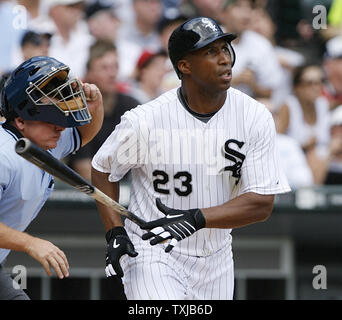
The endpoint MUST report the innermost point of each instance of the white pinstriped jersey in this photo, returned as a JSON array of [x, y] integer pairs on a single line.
[[192, 164]]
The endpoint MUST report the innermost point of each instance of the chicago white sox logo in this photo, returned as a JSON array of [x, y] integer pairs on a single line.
[[209, 24], [235, 156]]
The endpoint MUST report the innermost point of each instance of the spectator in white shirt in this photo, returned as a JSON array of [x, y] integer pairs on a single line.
[[289, 59], [257, 72], [37, 16], [305, 116], [138, 35], [332, 65], [71, 42], [333, 169], [103, 21], [291, 156]]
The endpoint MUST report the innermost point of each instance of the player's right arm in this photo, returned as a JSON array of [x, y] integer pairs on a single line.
[[109, 217], [112, 161], [118, 242], [41, 250]]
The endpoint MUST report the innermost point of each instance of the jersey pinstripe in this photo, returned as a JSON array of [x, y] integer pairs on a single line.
[[154, 274], [192, 164]]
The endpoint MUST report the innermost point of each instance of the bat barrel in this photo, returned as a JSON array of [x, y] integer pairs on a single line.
[[46, 161]]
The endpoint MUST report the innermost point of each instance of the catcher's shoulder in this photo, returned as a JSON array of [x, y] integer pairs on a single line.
[[8, 156]]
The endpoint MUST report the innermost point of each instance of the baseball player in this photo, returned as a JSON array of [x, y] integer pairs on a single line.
[[203, 162], [59, 114]]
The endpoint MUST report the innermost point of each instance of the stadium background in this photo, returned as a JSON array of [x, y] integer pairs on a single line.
[[273, 260]]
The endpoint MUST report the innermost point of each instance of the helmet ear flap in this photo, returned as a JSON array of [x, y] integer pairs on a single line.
[[232, 53]]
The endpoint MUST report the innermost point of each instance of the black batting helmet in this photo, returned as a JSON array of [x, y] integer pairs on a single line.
[[195, 34]]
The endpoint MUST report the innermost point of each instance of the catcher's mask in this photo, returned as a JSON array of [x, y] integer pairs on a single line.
[[40, 89]]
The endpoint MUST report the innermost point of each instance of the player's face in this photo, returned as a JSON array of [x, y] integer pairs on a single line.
[[210, 66], [45, 135]]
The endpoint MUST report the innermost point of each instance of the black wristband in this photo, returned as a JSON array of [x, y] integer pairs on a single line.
[[200, 220], [115, 232]]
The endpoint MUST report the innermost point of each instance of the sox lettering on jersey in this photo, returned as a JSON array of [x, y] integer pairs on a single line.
[[235, 156]]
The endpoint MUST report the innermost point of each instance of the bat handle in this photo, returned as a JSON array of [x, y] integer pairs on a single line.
[[140, 222], [103, 198]]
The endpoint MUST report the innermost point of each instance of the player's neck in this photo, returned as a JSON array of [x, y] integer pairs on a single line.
[[202, 101]]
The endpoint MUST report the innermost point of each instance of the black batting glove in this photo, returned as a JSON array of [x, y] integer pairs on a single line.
[[176, 225], [118, 244]]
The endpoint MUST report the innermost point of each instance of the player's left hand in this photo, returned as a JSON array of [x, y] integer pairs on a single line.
[[176, 225], [118, 244]]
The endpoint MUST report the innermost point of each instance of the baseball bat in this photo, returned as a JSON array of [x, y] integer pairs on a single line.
[[44, 160]]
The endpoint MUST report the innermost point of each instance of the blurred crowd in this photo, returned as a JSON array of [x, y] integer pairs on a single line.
[[289, 57]]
